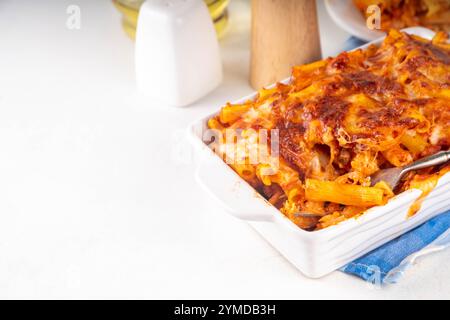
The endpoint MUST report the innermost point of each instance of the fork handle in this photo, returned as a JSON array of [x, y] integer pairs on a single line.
[[433, 160]]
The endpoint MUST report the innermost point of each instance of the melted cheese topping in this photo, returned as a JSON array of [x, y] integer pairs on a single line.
[[344, 118]]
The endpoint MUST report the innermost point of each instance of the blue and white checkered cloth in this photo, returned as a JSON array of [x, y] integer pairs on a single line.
[[387, 263]]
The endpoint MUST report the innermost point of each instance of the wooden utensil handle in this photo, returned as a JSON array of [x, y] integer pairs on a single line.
[[284, 33]]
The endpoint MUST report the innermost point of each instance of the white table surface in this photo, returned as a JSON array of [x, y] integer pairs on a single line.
[[97, 190]]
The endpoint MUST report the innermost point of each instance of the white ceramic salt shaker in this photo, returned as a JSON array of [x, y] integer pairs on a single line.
[[177, 52]]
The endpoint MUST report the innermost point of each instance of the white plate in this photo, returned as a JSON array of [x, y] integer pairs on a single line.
[[348, 17], [320, 252]]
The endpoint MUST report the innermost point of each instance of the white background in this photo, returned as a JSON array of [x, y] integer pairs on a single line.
[[95, 198]]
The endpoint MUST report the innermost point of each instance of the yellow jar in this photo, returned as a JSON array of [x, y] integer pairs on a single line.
[[130, 12]]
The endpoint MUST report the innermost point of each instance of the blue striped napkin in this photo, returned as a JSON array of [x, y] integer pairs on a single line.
[[387, 263]]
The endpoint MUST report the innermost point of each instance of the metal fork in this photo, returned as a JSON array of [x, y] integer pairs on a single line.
[[393, 176]]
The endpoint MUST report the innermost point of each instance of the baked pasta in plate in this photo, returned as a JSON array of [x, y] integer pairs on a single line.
[[433, 14], [337, 122]]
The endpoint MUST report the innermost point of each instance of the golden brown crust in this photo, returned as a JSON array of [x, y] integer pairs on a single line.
[[342, 119]]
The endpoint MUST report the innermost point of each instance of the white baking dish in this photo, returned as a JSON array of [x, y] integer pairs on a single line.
[[320, 252]]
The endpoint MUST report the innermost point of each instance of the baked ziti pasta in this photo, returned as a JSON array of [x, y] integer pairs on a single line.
[[336, 123], [433, 14]]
